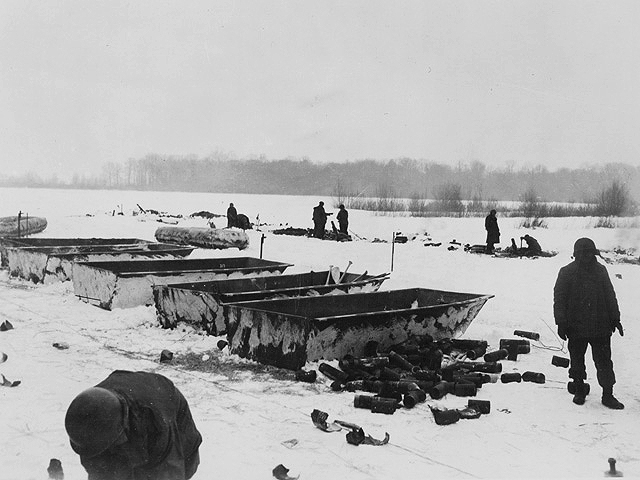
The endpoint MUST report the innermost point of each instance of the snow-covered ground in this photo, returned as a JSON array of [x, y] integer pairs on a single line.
[[253, 422]]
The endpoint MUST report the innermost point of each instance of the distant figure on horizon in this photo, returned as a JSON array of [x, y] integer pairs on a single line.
[[493, 232], [343, 220], [232, 216], [319, 220], [586, 312], [533, 247]]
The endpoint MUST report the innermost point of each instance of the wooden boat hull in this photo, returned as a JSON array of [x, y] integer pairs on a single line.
[[200, 303], [27, 226], [288, 333], [112, 285], [218, 238], [54, 264]]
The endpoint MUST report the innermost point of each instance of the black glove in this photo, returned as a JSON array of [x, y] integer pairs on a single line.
[[562, 332], [619, 327]]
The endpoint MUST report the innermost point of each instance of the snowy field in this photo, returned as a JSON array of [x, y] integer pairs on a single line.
[[252, 422]]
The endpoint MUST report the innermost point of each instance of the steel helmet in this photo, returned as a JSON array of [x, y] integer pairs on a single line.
[[94, 421], [585, 245]]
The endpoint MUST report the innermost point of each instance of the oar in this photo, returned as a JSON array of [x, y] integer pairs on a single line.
[[360, 277], [345, 271]]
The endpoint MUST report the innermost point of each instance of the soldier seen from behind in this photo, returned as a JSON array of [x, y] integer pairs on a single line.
[[134, 426], [586, 313], [232, 216], [493, 232], [319, 220], [343, 220]]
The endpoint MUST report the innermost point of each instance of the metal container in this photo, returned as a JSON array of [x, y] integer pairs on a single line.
[[128, 284], [287, 333], [200, 303], [54, 263]]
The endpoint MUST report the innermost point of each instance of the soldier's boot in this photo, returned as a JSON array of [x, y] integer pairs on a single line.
[[609, 401], [580, 393]]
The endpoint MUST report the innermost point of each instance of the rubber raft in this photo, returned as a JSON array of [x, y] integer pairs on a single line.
[[27, 226], [218, 238]]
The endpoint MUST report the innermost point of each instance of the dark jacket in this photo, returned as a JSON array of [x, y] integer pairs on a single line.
[[532, 244], [343, 216], [584, 300], [491, 226], [319, 215], [162, 437], [232, 217]]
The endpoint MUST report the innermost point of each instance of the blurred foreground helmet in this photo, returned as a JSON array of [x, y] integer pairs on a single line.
[[585, 246], [94, 421]]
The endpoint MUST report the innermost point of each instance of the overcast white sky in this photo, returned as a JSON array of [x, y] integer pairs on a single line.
[[554, 82]]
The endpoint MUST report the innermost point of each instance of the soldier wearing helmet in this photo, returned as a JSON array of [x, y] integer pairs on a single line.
[[134, 426], [586, 313]]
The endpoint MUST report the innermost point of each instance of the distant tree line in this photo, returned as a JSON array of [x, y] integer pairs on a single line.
[[397, 178]]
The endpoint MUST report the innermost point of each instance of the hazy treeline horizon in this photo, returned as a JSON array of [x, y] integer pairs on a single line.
[[402, 178]]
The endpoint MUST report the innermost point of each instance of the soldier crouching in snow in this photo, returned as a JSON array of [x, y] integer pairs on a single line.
[[134, 426], [586, 313]]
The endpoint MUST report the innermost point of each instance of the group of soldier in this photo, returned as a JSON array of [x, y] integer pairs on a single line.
[[320, 220], [137, 425]]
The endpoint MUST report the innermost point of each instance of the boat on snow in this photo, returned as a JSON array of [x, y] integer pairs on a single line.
[[200, 303], [125, 284], [48, 264], [11, 227], [60, 242], [289, 332], [202, 237]]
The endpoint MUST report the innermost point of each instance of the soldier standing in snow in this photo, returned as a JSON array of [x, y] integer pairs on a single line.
[[319, 220], [343, 220], [134, 426], [586, 313], [493, 232], [232, 216]]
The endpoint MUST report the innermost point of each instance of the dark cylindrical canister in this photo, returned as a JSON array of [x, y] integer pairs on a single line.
[[475, 378], [352, 385], [371, 386], [337, 386], [534, 377], [523, 333], [487, 367], [440, 389], [379, 405], [482, 406], [523, 345], [363, 401], [465, 389], [496, 355], [560, 361], [399, 361], [477, 351], [510, 377], [304, 376], [386, 373], [402, 386], [333, 373], [411, 399]]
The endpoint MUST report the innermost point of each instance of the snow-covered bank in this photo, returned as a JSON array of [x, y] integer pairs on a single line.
[[252, 422]]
